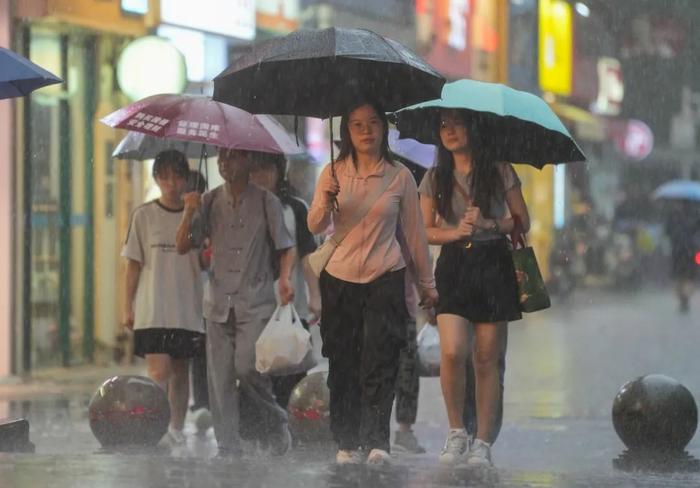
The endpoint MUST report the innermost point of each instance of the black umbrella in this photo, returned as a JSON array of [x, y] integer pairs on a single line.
[[316, 73]]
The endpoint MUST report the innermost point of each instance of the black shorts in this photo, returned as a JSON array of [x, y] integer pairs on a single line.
[[178, 343], [478, 283]]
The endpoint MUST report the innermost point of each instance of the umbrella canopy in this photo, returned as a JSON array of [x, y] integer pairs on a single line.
[[421, 154], [19, 76], [316, 73], [140, 146], [679, 190], [197, 118], [519, 126]]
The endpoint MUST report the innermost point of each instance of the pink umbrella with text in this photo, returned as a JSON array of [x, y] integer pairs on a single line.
[[198, 118]]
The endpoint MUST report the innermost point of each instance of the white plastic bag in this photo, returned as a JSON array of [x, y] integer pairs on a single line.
[[428, 351], [284, 347]]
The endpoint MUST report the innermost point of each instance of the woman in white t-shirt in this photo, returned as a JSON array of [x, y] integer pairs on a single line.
[[164, 289]]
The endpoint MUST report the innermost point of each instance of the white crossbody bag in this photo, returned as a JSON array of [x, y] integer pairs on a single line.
[[320, 257]]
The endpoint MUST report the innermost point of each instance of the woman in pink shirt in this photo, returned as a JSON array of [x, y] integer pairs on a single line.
[[363, 317]]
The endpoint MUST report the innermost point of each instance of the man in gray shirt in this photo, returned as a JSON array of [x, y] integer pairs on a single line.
[[250, 242]]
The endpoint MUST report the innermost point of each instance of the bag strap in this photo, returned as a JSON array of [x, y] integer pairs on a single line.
[[463, 192], [390, 173], [517, 236]]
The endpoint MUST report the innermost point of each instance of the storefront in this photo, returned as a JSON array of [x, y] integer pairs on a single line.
[[69, 194]]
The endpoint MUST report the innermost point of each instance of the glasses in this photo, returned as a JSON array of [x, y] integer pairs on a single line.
[[452, 123], [361, 126]]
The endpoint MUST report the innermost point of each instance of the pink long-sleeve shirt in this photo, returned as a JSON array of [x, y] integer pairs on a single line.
[[371, 248]]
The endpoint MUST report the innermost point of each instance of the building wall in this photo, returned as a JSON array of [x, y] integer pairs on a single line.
[[80, 146], [6, 206]]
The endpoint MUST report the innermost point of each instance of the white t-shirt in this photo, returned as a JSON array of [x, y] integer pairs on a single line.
[[169, 292]]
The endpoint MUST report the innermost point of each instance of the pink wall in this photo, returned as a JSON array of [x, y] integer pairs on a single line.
[[6, 205]]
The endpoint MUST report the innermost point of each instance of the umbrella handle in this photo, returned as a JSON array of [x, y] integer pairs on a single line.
[[336, 207], [202, 158]]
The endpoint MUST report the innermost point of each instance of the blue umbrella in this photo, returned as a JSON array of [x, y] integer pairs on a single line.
[[421, 154], [679, 190], [517, 126], [19, 76]]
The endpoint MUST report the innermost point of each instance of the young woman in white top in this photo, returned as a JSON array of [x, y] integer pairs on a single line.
[[164, 289]]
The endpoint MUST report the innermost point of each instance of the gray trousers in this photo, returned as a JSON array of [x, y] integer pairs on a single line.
[[231, 359], [407, 379]]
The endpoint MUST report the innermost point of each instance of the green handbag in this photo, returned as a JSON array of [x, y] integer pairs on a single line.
[[532, 292]]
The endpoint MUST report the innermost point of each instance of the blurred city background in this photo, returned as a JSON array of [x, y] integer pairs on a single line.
[[623, 76]]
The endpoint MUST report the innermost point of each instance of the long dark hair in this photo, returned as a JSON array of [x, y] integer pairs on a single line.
[[486, 182], [346, 147]]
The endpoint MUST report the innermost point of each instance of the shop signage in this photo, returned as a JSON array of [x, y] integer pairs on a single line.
[[277, 15], [231, 18], [445, 36], [555, 46], [611, 89], [634, 139], [136, 7]]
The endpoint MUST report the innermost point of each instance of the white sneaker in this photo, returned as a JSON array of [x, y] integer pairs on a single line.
[[202, 420], [456, 446], [378, 457], [345, 456], [479, 454], [176, 437]]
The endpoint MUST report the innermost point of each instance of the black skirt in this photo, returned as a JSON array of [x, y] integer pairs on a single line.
[[478, 282], [178, 343]]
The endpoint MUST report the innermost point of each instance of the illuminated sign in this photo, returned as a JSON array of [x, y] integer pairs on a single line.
[[232, 18], [611, 89], [634, 139], [151, 65], [458, 33], [485, 40], [556, 46], [444, 32], [138, 7], [277, 15], [123, 17]]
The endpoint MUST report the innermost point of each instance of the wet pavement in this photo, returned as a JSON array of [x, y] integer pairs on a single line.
[[565, 366]]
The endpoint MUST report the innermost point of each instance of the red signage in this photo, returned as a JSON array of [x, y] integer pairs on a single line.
[[445, 34], [634, 139]]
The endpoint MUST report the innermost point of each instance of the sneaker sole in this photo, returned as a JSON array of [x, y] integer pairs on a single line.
[[379, 462], [453, 461], [400, 448]]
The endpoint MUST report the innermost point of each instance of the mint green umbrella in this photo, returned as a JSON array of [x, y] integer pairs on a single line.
[[515, 126]]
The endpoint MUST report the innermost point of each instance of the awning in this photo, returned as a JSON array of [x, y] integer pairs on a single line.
[[586, 125]]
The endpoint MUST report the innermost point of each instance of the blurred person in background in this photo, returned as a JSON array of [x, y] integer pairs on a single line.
[[201, 416], [683, 230], [269, 172]]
